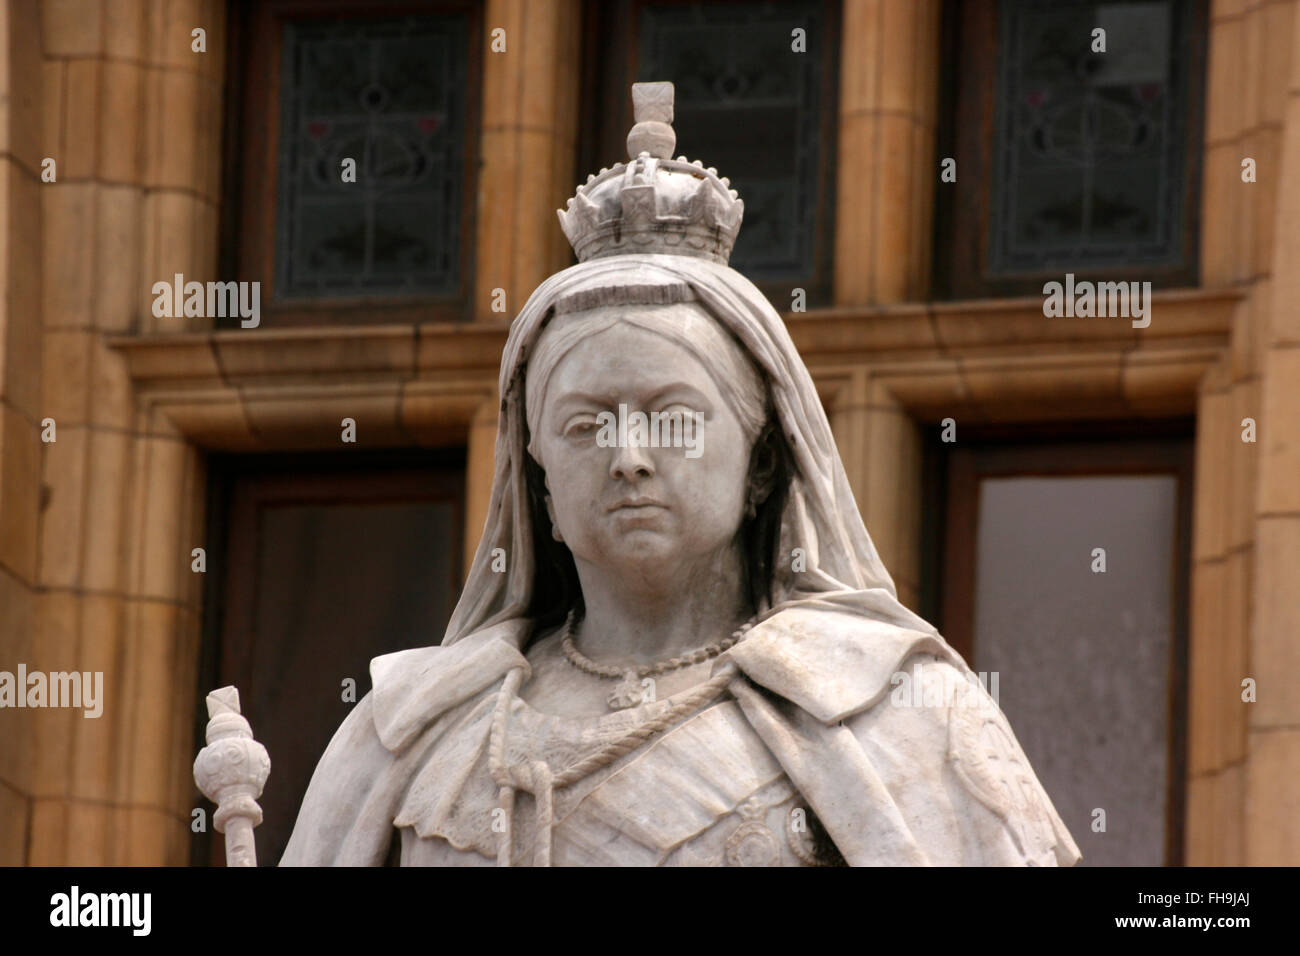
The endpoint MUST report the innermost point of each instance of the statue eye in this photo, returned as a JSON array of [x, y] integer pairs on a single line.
[[579, 429]]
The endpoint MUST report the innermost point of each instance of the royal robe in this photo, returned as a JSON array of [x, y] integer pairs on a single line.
[[891, 782]]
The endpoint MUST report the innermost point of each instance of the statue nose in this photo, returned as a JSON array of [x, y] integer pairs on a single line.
[[631, 461]]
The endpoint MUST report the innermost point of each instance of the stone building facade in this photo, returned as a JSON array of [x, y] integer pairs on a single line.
[[97, 527]]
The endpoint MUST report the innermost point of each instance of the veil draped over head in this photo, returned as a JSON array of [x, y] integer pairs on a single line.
[[841, 568]]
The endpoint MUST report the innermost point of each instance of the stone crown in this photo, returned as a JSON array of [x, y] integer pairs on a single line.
[[654, 203]]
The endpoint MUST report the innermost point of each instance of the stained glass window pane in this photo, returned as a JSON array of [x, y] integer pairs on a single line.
[[1089, 155], [389, 94], [749, 105]]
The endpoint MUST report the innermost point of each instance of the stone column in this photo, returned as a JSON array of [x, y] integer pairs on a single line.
[[1272, 784], [133, 120], [887, 171], [889, 75], [1216, 719], [891, 505], [880, 446], [528, 148], [1244, 242], [20, 398]]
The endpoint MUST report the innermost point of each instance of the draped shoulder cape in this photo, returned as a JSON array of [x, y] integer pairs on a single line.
[[815, 673]]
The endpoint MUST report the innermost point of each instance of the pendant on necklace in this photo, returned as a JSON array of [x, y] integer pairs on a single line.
[[627, 693]]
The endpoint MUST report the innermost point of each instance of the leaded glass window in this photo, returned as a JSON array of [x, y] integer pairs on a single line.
[[389, 94], [1089, 153], [749, 105]]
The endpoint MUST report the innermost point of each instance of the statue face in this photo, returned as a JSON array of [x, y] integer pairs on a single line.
[[647, 512]]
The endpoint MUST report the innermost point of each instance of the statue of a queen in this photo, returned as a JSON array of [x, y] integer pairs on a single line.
[[676, 645]]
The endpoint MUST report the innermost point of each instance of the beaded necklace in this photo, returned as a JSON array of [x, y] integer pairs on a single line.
[[630, 690]]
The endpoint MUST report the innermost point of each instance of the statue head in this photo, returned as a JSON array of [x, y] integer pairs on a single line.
[[651, 450], [651, 321]]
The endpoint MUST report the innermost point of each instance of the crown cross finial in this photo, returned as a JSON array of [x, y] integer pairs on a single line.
[[652, 108]]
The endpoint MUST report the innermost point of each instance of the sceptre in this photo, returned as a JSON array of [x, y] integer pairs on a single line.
[[231, 771]]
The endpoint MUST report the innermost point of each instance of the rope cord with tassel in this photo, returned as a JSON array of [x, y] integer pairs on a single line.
[[536, 776]]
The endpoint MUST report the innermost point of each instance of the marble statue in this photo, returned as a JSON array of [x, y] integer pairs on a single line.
[[677, 644]]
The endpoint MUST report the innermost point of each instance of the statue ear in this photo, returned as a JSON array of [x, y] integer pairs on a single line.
[[763, 466]]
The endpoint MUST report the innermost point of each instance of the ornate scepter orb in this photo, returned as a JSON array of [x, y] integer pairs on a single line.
[[231, 771]]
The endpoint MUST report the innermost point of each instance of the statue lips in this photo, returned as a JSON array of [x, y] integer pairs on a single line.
[[637, 503], [640, 509]]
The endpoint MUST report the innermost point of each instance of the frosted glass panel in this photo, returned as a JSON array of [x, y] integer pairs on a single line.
[[1084, 657]]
